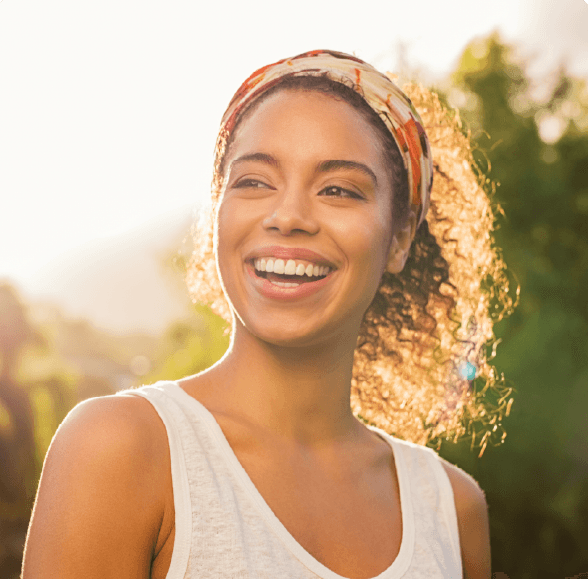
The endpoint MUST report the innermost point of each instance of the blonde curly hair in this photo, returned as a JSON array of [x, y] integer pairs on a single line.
[[422, 367]]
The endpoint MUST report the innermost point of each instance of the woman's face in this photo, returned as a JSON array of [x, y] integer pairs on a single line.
[[305, 194]]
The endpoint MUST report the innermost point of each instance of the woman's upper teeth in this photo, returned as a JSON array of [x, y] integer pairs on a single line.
[[291, 267]]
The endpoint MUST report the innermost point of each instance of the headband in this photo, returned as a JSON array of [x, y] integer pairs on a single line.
[[379, 92]]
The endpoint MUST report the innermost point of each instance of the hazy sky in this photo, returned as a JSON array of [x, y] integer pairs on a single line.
[[109, 110]]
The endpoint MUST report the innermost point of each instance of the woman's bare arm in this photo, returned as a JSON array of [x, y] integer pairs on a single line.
[[472, 518], [101, 499]]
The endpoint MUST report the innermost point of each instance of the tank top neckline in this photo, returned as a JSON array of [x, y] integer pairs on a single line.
[[405, 553]]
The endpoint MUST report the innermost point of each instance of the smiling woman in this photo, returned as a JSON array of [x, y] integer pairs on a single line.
[[357, 291], [432, 318]]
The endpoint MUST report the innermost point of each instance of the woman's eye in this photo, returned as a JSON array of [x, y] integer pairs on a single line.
[[251, 183], [335, 191]]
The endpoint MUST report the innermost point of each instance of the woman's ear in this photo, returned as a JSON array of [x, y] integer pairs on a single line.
[[400, 246]]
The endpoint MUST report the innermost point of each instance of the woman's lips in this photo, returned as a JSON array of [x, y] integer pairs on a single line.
[[283, 287]]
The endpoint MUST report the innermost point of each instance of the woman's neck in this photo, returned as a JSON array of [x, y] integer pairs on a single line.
[[300, 393]]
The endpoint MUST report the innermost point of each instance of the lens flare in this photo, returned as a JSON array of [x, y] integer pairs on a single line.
[[467, 370]]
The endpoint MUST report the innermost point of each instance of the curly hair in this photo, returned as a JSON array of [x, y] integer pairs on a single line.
[[422, 367]]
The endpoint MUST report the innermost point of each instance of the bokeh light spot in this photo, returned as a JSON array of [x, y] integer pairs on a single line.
[[467, 370]]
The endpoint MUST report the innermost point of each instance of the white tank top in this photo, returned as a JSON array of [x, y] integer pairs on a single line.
[[224, 529]]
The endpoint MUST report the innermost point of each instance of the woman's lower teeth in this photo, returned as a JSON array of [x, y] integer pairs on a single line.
[[284, 283]]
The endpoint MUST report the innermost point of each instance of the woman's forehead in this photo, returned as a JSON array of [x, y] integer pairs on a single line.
[[305, 123]]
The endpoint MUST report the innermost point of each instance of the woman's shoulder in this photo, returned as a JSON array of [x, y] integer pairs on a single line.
[[466, 489], [119, 436], [109, 425], [469, 498], [102, 495], [463, 484], [470, 508], [471, 511]]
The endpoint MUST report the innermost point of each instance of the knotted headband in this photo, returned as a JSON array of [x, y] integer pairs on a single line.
[[380, 93]]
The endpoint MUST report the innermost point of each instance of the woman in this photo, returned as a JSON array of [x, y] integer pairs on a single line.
[[258, 467]]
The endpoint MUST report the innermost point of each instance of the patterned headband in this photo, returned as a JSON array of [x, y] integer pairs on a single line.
[[381, 94]]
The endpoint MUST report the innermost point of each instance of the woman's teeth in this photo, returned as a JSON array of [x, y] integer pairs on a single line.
[[273, 268], [284, 283], [291, 267]]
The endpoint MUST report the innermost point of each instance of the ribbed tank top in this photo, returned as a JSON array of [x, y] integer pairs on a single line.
[[225, 529]]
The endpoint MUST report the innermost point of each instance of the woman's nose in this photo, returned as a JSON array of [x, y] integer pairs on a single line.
[[292, 213]]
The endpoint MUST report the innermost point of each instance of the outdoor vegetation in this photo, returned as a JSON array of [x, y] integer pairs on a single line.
[[531, 139]]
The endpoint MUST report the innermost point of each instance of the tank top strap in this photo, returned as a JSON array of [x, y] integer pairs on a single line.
[[432, 494], [164, 405], [447, 502]]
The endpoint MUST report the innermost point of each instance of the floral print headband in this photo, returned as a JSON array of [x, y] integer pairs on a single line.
[[381, 94]]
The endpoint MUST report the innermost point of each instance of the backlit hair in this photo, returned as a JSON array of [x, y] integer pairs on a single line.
[[422, 367]]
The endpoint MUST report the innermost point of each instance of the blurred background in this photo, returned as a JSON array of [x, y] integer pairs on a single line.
[[108, 116]]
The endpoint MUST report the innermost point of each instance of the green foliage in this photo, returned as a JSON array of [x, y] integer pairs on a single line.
[[192, 346], [536, 483], [35, 394]]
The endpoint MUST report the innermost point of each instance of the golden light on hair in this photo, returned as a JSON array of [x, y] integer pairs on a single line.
[[422, 368]]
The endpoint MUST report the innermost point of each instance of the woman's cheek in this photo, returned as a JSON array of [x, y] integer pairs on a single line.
[[225, 242], [234, 226]]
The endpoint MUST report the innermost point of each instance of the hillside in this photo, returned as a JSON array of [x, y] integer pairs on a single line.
[[125, 283]]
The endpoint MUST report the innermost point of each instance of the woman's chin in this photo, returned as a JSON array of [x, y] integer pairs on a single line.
[[292, 332], [284, 335]]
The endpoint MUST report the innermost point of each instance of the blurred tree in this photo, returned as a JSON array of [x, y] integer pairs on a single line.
[[19, 465], [191, 346], [36, 393], [536, 148]]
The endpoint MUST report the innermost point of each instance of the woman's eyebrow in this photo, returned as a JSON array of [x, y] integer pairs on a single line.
[[322, 167], [263, 157], [333, 165]]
